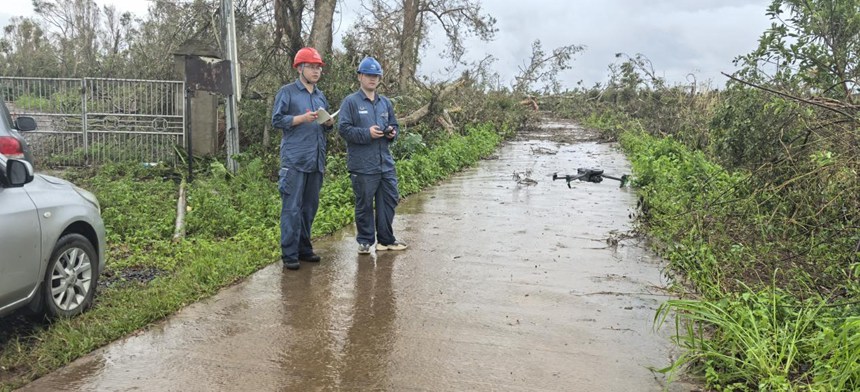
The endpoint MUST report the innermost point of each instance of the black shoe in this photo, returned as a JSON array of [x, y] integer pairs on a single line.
[[291, 264], [310, 257]]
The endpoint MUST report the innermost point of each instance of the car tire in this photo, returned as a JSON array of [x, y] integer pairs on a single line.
[[71, 277]]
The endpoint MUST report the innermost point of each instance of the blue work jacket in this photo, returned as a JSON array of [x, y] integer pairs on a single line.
[[302, 146], [358, 113]]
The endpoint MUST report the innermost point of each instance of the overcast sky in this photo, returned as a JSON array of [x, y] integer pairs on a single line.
[[678, 36]]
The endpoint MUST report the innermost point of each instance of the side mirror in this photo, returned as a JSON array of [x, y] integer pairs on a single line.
[[25, 124], [18, 172]]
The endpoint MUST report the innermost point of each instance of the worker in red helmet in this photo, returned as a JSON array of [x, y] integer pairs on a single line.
[[303, 156]]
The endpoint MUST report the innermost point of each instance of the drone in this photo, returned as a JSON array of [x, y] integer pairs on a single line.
[[590, 175]]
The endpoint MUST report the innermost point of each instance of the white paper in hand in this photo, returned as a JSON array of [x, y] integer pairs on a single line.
[[324, 116]]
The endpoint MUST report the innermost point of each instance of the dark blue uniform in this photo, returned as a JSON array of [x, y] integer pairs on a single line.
[[370, 165], [303, 156]]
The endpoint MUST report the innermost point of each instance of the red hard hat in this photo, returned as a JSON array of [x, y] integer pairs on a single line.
[[307, 56]]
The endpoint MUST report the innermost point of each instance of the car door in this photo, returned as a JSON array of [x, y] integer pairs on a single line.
[[20, 249]]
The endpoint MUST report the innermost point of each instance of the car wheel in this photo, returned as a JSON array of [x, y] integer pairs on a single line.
[[71, 277]]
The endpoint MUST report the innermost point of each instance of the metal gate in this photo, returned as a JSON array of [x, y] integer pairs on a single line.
[[97, 120]]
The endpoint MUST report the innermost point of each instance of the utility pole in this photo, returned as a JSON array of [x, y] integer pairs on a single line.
[[228, 39]]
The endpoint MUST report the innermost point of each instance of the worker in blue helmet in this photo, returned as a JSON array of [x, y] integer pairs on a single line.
[[368, 125]]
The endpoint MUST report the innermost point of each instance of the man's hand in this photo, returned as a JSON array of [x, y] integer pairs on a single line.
[[309, 116], [376, 132], [329, 123], [392, 132]]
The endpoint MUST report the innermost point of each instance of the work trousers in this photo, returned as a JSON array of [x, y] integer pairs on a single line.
[[380, 191], [300, 199]]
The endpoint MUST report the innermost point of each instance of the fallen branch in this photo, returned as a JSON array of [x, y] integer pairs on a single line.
[[418, 114], [799, 99], [445, 120], [179, 231], [530, 101]]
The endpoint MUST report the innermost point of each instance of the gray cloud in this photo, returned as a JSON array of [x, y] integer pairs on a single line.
[[679, 36]]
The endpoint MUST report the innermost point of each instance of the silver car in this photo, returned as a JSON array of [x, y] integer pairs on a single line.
[[52, 242]]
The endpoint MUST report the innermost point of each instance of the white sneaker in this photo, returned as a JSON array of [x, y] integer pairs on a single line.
[[395, 246]]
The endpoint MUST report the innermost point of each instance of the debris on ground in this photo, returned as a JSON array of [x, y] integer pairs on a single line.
[[524, 178], [543, 151]]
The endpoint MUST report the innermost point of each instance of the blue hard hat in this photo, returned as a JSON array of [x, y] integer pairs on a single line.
[[369, 66]]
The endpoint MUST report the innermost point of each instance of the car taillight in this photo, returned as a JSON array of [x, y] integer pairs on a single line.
[[11, 147]]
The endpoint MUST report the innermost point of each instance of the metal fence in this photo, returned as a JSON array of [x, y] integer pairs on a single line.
[[96, 120]]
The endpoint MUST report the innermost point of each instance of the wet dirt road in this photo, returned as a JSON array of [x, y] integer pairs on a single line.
[[505, 286]]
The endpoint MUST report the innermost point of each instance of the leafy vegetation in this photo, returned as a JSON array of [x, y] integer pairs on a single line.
[[760, 320]]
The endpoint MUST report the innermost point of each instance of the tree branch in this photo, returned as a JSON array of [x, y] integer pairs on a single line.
[[789, 96], [418, 114]]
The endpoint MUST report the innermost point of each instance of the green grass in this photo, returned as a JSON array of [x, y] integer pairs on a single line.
[[759, 313]]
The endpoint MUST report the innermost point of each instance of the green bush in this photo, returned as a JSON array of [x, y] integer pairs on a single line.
[[770, 312], [766, 341]]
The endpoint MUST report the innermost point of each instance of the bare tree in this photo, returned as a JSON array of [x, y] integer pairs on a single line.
[[459, 19], [377, 33], [26, 50], [74, 23], [321, 32], [407, 22], [409, 42], [169, 24], [290, 18], [115, 37], [544, 68], [288, 22]]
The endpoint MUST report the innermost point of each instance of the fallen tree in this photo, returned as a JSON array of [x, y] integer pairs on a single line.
[[436, 96]]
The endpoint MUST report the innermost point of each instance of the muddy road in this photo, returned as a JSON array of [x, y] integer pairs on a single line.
[[507, 285]]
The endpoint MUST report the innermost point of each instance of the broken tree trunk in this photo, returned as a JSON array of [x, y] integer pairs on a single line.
[[530, 101], [179, 231], [445, 120], [418, 114]]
